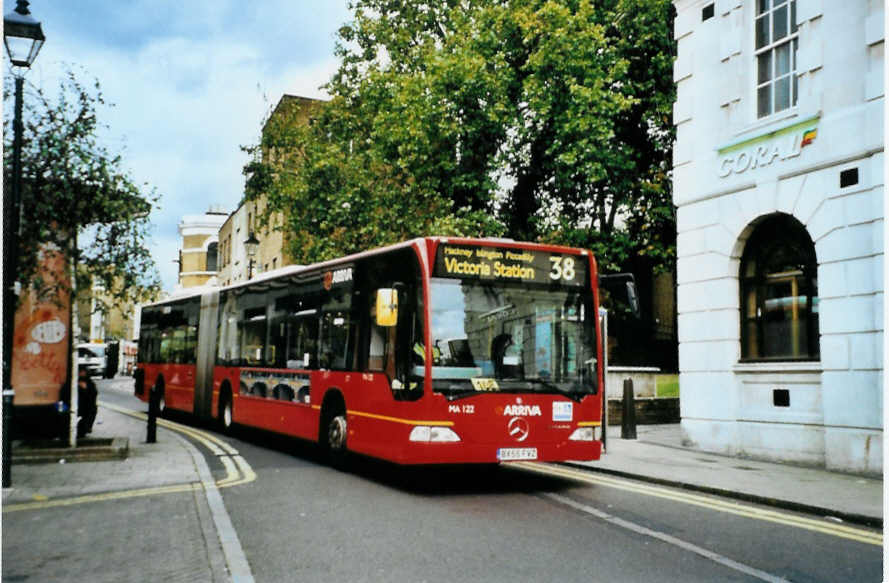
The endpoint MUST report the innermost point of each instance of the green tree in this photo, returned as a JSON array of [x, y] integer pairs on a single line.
[[535, 119], [639, 223], [334, 195], [72, 185]]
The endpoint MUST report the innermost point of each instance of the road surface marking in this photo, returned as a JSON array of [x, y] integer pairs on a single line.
[[838, 530], [238, 471], [53, 503], [235, 558], [669, 539]]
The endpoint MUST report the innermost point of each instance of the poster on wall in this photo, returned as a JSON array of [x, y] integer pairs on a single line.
[[40, 347]]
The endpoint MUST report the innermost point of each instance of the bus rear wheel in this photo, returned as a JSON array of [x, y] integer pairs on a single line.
[[335, 439], [226, 414]]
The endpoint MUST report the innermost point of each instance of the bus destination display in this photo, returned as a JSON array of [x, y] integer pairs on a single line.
[[502, 264]]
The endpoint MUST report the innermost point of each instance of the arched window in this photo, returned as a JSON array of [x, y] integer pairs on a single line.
[[779, 292], [212, 256]]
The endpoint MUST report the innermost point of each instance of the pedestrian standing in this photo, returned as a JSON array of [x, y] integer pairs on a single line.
[[86, 402]]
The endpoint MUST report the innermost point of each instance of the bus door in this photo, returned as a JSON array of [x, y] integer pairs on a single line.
[[178, 351]]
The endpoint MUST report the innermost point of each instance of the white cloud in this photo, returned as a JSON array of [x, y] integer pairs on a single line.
[[191, 83]]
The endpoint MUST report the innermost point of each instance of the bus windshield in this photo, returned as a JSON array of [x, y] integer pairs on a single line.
[[511, 337]]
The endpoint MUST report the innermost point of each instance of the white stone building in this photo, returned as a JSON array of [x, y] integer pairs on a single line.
[[778, 181], [199, 254]]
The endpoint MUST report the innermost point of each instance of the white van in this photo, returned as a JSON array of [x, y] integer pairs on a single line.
[[92, 356]]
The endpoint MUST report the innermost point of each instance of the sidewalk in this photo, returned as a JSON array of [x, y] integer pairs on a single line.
[[659, 456], [141, 518]]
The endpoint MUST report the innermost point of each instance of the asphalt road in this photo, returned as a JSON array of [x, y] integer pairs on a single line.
[[303, 521]]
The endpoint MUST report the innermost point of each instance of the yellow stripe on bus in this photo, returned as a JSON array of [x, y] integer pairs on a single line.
[[404, 421]]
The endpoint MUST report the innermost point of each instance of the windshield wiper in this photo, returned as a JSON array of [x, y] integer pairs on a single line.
[[546, 384], [573, 390]]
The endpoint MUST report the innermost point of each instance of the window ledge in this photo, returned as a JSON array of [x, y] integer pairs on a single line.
[[785, 115], [811, 366]]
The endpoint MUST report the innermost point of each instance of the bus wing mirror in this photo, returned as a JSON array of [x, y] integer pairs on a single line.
[[633, 298], [622, 287], [387, 307]]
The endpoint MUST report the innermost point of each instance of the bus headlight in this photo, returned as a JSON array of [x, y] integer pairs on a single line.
[[582, 434], [433, 434]]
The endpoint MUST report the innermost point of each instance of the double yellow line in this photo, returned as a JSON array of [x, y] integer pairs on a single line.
[[42, 503], [756, 513], [237, 470]]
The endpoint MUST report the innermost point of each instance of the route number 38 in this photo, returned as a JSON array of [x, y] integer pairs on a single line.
[[563, 268]]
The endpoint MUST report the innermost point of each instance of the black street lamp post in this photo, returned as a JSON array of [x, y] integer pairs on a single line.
[[23, 37], [251, 245]]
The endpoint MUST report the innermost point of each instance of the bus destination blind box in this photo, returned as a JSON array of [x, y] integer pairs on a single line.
[[504, 264]]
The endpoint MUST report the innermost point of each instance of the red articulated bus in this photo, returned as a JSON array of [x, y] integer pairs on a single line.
[[436, 350]]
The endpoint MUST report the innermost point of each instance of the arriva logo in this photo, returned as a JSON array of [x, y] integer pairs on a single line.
[[522, 410]]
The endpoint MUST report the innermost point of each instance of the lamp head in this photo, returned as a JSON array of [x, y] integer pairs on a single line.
[[22, 35], [251, 245]]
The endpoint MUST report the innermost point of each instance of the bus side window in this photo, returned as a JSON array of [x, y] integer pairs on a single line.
[[337, 331], [166, 346], [302, 342], [178, 345], [253, 336], [276, 348], [293, 330], [227, 334], [192, 317], [335, 328], [191, 344]]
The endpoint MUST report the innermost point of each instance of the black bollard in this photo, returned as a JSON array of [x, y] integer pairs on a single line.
[[7, 448], [153, 404], [628, 415]]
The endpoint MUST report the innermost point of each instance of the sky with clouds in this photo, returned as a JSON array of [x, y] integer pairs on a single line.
[[191, 81]]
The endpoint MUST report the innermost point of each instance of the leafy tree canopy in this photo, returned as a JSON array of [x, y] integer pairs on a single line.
[[72, 185], [533, 119]]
